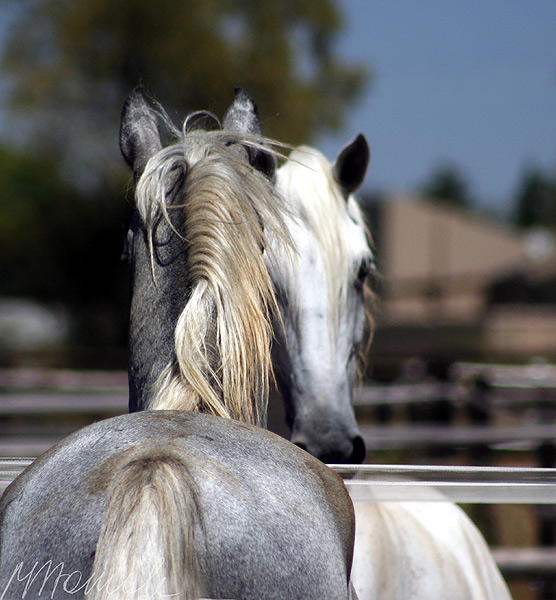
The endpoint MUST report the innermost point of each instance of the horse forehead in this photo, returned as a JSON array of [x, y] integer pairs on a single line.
[[195, 148], [308, 157], [306, 182], [356, 233]]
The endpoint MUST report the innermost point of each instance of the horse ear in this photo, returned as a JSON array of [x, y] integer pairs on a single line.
[[243, 116], [350, 167], [139, 135]]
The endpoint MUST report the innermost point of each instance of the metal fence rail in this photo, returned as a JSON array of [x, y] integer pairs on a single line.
[[409, 483], [10, 468], [473, 485]]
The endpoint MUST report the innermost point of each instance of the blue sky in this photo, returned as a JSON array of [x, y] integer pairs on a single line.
[[469, 83]]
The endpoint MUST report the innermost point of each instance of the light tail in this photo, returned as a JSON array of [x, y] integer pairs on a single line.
[[146, 548]]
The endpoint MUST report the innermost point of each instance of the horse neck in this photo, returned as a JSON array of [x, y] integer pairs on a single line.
[[314, 336], [220, 360], [158, 296]]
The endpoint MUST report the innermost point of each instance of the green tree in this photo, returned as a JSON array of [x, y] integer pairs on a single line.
[[70, 64], [62, 247], [535, 202], [448, 186]]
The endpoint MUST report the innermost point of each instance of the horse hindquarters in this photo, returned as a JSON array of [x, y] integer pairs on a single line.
[[146, 544], [119, 508]]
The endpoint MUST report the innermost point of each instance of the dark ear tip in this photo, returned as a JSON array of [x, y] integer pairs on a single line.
[[243, 97], [241, 93], [136, 96], [137, 92], [351, 164], [139, 89], [363, 144]]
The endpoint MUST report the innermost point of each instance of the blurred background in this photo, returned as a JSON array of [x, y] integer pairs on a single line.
[[458, 102]]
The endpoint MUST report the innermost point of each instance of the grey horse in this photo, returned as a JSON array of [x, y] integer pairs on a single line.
[[177, 502]]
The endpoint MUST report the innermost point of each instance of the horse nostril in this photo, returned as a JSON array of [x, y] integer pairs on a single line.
[[359, 451], [300, 441], [301, 445]]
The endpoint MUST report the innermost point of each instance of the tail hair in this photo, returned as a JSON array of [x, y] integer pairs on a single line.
[[146, 548]]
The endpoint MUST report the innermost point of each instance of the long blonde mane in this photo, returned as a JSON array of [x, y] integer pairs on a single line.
[[307, 181], [223, 336]]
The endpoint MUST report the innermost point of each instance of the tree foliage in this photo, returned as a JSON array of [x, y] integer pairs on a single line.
[[68, 66], [72, 62], [536, 200], [62, 247], [448, 186]]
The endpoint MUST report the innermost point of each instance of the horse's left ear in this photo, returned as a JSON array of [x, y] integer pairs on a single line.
[[350, 166], [243, 116], [139, 135]]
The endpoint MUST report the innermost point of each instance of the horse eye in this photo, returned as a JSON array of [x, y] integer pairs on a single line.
[[363, 272], [365, 268]]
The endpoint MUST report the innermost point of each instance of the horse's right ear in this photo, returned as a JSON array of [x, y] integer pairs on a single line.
[[139, 135]]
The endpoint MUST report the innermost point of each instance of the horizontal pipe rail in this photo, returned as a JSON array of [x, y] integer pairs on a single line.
[[526, 562], [476, 485], [409, 483]]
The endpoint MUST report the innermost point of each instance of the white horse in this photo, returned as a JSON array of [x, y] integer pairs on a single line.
[[403, 550]]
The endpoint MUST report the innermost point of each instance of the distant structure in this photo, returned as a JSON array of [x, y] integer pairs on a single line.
[[453, 284], [27, 325]]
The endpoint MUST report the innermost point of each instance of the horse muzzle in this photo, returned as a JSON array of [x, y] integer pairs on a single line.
[[332, 449]]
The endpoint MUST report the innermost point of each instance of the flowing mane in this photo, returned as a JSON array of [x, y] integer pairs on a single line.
[[223, 336], [307, 181]]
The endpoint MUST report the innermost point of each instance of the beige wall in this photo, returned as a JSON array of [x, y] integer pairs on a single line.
[[436, 261], [514, 331]]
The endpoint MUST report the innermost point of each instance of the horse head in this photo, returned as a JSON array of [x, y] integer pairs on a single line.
[[322, 297], [201, 296]]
